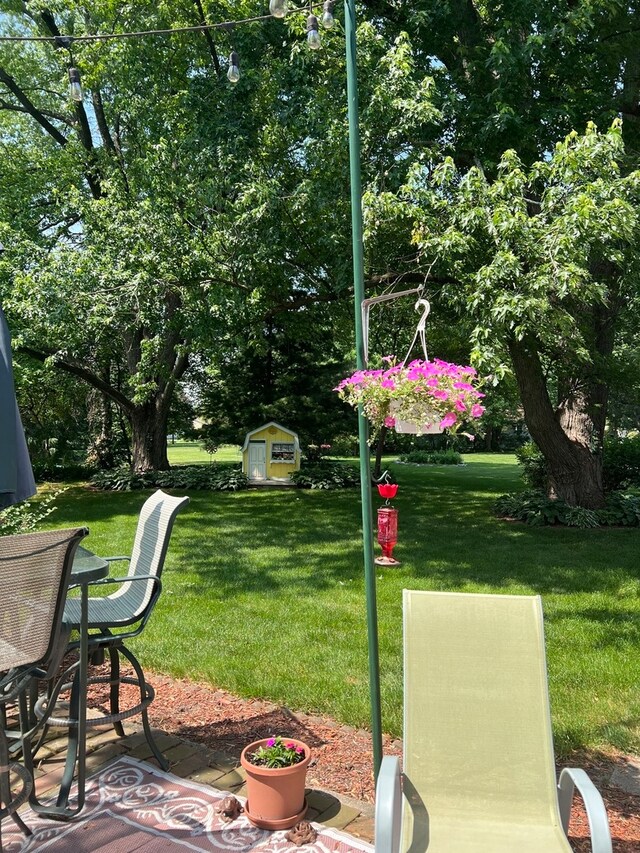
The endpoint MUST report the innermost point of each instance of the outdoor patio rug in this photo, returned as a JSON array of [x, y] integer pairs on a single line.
[[132, 806]]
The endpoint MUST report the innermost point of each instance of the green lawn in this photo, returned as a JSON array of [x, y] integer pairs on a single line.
[[192, 453], [264, 595]]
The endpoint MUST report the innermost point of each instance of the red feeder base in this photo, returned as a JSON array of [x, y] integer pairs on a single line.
[[386, 561]]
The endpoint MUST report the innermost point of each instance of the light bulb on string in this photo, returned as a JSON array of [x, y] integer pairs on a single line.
[[313, 36], [278, 8], [234, 67], [327, 16], [75, 89]]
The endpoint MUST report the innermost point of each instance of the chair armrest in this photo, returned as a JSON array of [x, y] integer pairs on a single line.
[[117, 559], [122, 579], [388, 823], [572, 778]]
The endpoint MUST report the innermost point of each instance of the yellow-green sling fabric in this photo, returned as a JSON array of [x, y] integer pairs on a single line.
[[478, 756]]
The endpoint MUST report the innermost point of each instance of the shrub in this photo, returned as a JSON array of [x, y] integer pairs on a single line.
[[432, 457], [535, 508], [326, 475], [622, 508], [51, 472], [216, 477], [25, 517], [621, 463], [534, 467], [344, 445]]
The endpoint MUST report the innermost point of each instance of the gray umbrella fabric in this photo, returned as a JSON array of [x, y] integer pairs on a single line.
[[16, 476]]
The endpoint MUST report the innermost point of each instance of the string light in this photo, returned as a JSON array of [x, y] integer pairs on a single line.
[[327, 16], [278, 8], [75, 88], [234, 67], [313, 36], [223, 25]]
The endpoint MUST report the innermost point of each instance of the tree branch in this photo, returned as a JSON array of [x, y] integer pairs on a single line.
[[208, 36], [31, 109], [5, 105], [103, 127], [83, 373]]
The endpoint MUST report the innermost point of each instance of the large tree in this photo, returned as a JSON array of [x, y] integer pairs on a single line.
[[144, 221], [489, 231], [545, 260]]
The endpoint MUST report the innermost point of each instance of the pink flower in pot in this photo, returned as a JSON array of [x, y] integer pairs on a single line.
[[276, 770]]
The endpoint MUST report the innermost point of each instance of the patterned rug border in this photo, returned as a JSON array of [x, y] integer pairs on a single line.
[[194, 821]]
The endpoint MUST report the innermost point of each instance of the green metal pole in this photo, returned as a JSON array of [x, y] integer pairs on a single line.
[[363, 426]]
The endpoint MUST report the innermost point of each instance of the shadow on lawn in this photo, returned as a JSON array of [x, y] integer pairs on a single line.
[[228, 544]]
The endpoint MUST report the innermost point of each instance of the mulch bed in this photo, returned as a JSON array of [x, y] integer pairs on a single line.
[[342, 755]]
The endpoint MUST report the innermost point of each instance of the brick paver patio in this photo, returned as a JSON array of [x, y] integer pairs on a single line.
[[196, 762]]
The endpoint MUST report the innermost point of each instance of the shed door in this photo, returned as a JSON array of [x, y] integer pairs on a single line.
[[257, 460]]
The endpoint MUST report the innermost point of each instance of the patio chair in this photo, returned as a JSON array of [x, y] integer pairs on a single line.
[[479, 771], [124, 614], [34, 576]]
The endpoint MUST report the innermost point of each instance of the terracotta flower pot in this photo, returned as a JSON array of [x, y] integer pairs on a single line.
[[275, 796]]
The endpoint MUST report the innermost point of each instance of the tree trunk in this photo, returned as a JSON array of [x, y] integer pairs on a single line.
[[149, 437], [101, 450], [570, 437], [488, 438]]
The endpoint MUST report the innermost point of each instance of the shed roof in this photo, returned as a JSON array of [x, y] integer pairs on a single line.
[[266, 426]]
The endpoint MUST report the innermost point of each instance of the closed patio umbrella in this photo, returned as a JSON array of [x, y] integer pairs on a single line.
[[16, 476]]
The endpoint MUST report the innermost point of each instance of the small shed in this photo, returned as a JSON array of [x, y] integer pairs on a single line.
[[270, 452]]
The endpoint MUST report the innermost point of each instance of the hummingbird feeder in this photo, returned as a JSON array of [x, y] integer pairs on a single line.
[[387, 525]]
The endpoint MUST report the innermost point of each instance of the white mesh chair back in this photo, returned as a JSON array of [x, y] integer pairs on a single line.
[[34, 576], [478, 751], [149, 551]]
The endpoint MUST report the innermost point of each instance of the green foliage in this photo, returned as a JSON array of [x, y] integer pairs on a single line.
[[432, 457], [326, 475], [218, 477], [59, 473], [534, 467], [622, 508], [277, 753], [344, 445], [621, 464], [27, 516], [535, 508]]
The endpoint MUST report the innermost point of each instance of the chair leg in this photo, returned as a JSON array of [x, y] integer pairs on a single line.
[[8, 803], [144, 694], [114, 691]]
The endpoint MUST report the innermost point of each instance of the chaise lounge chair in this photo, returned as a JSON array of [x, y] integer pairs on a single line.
[[479, 773]]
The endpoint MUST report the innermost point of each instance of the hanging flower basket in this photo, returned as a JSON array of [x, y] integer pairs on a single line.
[[420, 397]]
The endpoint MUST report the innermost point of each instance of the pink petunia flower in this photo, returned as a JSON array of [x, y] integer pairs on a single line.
[[390, 422], [448, 420], [477, 410]]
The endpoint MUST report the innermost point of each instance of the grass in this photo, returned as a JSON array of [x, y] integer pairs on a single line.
[[264, 594], [192, 453]]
